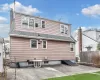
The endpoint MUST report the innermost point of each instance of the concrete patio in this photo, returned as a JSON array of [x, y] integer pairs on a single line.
[[48, 72]]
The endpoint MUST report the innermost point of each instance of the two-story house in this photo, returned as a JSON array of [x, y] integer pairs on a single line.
[[35, 38]]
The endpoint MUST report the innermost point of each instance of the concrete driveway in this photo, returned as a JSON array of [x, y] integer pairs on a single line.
[[48, 72]]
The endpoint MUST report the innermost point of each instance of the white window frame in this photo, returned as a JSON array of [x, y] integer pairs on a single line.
[[73, 47], [29, 21], [64, 28], [31, 46], [61, 27], [22, 21], [42, 44], [41, 23]]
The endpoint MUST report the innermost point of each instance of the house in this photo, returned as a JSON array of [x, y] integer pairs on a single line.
[[1, 55], [35, 38], [90, 40]]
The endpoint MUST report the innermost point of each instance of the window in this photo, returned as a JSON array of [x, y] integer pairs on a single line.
[[44, 44], [64, 29], [31, 22], [25, 20], [71, 46], [34, 43], [43, 24], [36, 24]]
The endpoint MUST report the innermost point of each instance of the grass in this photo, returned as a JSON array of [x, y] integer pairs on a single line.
[[86, 76]]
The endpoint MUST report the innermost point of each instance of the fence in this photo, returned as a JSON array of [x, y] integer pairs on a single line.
[[87, 56]]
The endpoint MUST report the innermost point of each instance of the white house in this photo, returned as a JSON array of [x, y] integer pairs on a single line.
[[90, 39], [1, 55]]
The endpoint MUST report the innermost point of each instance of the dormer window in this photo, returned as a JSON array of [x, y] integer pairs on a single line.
[[25, 20], [31, 22], [36, 24], [64, 29], [43, 24]]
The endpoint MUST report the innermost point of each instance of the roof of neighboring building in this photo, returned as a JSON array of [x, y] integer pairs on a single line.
[[1, 40], [40, 36]]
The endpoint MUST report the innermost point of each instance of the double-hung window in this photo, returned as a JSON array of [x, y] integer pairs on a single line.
[[44, 44], [64, 29], [34, 43], [24, 21], [31, 22], [72, 46], [43, 24]]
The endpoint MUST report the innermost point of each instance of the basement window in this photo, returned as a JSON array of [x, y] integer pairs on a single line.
[[71, 46], [34, 43]]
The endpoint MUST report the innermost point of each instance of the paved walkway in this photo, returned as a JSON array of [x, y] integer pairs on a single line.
[[48, 72]]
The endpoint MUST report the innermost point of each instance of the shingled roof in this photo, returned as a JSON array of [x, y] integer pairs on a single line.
[[40, 36]]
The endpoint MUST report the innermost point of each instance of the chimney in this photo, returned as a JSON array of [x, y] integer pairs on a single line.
[[80, 39]]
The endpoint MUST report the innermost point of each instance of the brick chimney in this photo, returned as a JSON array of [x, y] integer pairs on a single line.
[[80, 39]]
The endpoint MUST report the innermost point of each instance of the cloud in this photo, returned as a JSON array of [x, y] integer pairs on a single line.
[[2, 19], [19, 8], [93, 11]]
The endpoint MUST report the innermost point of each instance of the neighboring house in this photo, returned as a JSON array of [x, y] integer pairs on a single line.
[[36, 38], [90, 40], [1, 55]]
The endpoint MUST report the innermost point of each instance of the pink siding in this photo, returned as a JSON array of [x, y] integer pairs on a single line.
[[56, 50], [52, 27]]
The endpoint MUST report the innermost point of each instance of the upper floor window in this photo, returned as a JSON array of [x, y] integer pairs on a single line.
[[25, 20], [71, 46], [43, 24], [44, 44], [34, 43], [36, 24], [31, 22], [64, 29]]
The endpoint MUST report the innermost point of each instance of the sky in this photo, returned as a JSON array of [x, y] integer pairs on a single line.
[[79, 13]]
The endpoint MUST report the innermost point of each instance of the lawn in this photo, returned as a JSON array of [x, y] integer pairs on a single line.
[[86, 76]]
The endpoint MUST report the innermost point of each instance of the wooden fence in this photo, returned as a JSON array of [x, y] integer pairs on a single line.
[[87, 56]]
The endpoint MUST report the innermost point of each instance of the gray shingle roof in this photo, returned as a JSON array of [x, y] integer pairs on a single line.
[[42, 36]]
